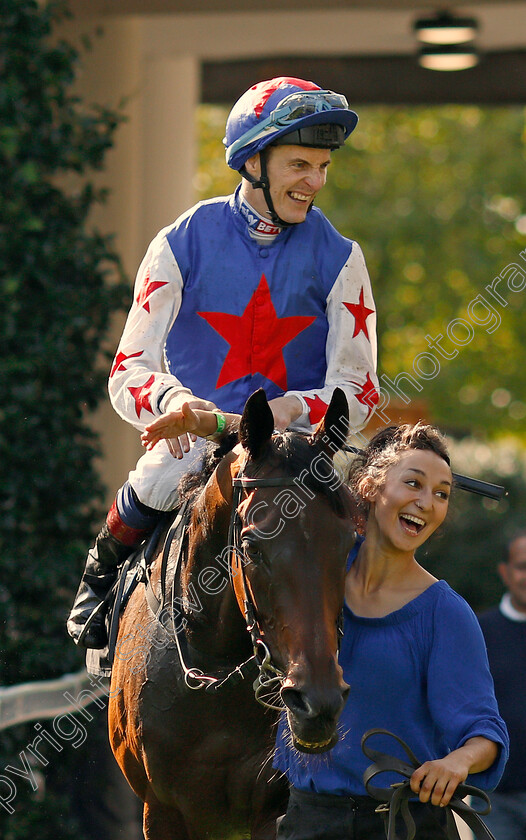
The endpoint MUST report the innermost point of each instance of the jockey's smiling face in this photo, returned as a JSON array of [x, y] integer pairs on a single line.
[[296, 175]]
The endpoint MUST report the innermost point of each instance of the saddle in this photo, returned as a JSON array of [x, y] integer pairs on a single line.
[[134, 570]]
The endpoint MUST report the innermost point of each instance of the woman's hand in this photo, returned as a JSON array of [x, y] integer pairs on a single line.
[[436, 781]]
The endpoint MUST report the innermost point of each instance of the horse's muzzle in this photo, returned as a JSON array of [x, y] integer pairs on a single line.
[[313, 715]]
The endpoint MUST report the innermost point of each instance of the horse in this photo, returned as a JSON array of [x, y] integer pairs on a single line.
[[253, 589]]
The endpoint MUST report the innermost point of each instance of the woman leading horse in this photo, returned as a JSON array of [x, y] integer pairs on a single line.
[[415, 658]]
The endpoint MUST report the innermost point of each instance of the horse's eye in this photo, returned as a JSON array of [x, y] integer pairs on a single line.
[[251, 550]]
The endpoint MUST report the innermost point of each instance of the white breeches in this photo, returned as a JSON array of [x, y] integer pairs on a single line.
[[156, 477], [157, 474]]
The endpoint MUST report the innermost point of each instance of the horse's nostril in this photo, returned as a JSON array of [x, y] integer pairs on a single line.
[[312, 704], [295, 701]]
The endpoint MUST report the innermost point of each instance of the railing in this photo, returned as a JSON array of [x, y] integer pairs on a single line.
[[45, 699]]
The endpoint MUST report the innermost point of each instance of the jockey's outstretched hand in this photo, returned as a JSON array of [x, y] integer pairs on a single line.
[[170, 427], [177, 426]]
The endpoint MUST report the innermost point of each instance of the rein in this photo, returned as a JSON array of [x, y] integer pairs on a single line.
[[269, 677], [259, 665], [395, 798]]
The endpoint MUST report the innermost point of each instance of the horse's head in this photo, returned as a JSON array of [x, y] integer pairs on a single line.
[[295, 529]]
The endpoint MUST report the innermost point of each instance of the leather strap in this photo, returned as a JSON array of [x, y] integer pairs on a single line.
[[176, 531], [397, 796], [278, 481]]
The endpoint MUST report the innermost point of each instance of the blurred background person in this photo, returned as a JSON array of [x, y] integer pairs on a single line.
[[504, 628]]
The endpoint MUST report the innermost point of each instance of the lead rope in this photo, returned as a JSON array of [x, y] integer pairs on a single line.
[[395, 798]]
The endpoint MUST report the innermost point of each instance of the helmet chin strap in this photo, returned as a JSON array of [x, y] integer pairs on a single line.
[[264, 184]]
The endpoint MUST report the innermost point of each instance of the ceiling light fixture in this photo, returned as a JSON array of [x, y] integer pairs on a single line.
[[443, 28], [448, 57], [447, 42]]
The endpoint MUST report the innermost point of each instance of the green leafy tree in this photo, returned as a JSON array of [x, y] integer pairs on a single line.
[[436, 198], [60, 281], [473, 540]]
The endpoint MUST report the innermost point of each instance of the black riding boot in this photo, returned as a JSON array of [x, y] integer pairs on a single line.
[[86, 624]]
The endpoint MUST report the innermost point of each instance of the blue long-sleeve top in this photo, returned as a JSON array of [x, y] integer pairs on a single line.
[[420, 672]]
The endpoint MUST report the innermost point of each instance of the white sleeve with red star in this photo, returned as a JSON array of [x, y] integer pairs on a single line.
[[350, 348], [137, 382]]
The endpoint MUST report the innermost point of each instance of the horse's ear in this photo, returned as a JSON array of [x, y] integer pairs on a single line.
[[257, 424], [331, 432]]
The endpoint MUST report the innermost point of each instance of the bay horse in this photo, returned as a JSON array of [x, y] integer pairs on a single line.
[[264, 551]]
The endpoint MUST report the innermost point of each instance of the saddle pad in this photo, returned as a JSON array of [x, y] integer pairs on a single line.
[[99, 662]]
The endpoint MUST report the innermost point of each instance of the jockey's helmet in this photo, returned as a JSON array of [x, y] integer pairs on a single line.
[[286, 110]]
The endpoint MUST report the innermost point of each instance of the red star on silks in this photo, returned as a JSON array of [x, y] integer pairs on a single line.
[[256, 338], [317, 409], [148, 287], [368, 396], [142, 396], [120, 358], [361, 313]]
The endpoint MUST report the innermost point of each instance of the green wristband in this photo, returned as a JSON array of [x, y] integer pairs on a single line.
[[221, 422], [221, 426]]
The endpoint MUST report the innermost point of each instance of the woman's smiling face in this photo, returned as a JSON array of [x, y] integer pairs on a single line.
[[413, 500]]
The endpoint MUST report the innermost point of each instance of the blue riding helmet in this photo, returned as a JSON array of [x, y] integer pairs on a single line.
[[271, 110]]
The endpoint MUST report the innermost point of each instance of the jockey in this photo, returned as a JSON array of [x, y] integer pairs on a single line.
[[252, 290]]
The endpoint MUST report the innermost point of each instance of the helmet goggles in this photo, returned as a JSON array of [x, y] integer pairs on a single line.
[[294, 107], [298, 105]]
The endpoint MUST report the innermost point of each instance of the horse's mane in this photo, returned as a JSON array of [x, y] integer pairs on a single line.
[[192, 482], [295, 453], [290, 451]]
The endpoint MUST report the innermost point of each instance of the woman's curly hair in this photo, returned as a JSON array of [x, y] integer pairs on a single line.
[[383, 451]]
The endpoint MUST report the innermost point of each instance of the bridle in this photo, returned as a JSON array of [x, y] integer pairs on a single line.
[[267, 676], [395, 798]]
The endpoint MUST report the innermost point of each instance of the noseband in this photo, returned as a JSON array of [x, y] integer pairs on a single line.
[[269, 678]]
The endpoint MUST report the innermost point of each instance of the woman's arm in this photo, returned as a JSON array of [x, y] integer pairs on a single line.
[[436, 781]]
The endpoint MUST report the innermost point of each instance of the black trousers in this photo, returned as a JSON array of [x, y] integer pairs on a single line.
[[321, 816]]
